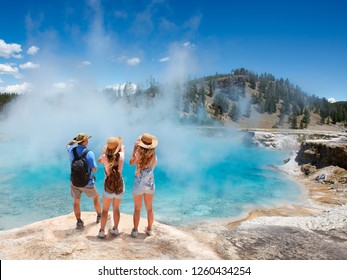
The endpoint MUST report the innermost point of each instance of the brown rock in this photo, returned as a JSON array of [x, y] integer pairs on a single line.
[[322, 153]]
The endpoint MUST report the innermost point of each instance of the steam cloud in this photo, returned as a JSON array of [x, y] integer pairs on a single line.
[[45, 119], [39, 124]]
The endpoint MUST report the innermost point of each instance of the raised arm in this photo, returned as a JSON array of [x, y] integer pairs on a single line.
[[100, 160], [133, 159], [70, 143]]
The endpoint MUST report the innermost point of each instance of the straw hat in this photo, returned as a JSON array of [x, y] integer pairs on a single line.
[[81, 137], [148, 141], [113, 145]]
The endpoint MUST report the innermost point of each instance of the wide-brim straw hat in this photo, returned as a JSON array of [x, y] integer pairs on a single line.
[[148, 141], [113, 145], [81, 137]]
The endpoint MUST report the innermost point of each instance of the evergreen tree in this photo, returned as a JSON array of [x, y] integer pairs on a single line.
[[6, 98], [234, 112], [294, 121], [222, 102]]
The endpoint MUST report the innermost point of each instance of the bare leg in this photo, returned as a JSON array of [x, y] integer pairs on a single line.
[[77, 208], [137, 210], [149, 207], [97, 204], [105, 207], [116, 213]]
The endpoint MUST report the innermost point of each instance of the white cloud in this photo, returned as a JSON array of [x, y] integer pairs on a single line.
[[29, 65], [33, 50], [188, 45], [133, 61], [164, 59], [8, 69], [85, 63], [121, 58], [10, 50], [60, 85], [1, 81], [18, 88], [331, 100]]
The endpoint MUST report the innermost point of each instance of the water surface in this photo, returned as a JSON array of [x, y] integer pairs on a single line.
[[214, 177]]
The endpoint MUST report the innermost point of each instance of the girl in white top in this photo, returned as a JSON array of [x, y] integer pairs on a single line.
[[113, 155]]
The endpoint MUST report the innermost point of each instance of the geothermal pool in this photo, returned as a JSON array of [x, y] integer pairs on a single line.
[[199, 176]]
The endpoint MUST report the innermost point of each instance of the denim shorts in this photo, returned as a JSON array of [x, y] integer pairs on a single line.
[[144, 183]]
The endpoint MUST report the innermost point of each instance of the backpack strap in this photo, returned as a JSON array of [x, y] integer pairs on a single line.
[[75, 153], [85, 152], [76, 157]]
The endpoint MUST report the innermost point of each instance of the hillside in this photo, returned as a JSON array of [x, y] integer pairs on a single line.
[[259, 101], [240, 98]]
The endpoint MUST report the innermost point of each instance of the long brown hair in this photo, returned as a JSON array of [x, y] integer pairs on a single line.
[[145, 157]]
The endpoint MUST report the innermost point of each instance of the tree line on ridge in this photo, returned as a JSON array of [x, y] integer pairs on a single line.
[[233, 96]]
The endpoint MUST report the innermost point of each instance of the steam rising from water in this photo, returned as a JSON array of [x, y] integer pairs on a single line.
[[198, 169], [44, 125], [48, 117]]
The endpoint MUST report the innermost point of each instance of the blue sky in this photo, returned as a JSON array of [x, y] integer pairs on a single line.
[[58, 43]]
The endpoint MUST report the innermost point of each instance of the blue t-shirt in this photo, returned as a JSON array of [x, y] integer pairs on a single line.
[[89, 157]]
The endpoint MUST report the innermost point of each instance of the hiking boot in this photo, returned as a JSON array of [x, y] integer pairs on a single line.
[[79, 224], [114, 231], [98, 218], [101, 234], [134, 233]]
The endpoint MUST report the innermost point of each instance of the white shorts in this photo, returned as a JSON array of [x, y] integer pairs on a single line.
[[113, 195]]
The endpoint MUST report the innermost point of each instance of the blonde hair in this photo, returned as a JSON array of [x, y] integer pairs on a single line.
[[112, 159], [145, 157]]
